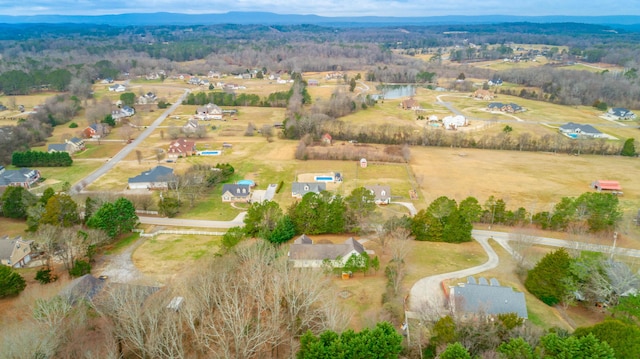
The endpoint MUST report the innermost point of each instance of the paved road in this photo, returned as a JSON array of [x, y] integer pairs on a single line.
[[196, 223], [78, 187], [427, 293]]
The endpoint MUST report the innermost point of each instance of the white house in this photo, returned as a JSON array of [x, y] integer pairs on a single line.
[[453, 122], [382, 194], [575, 130], [117, 88], [304, 254]]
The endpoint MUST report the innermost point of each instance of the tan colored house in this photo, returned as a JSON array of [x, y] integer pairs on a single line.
[[236, 192], [15, 252], [410, 104], [483, 95]]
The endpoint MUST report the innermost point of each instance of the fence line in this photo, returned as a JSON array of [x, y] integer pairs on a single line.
[[142, 211]]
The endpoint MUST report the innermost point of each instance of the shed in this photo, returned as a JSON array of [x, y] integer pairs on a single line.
[[605, 185], [363, 162]]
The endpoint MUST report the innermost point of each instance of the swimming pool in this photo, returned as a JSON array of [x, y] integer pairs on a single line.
[[210, 153], [324, 179], [573, 135]]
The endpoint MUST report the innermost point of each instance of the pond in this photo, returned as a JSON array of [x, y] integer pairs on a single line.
[[395, 91]]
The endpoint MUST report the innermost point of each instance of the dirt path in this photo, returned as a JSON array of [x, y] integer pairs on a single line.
[[120, 268]]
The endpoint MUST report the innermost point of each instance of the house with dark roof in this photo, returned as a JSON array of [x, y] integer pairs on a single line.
[[70, 146], [299, 189], [505, 107], [158, 177], [575, 130], [303, 253], [382, 193], [24, 177], [181, 148], [15, 252], [84, 288], [621, 113], [485, 298], [232, 192]]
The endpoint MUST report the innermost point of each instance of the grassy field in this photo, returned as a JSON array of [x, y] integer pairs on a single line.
[[165, 255]]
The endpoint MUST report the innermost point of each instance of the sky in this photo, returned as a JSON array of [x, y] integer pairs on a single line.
[[330, 8]]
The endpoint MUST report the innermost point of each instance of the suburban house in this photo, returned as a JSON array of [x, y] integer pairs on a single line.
[[453, 122], [483, 95], [482, 298], [410, 104], [123, 112], [191, 126], [382, 193], [603, 185], [23, 177], [209, 111], [117, 88], [313, 82], [304, 254], [194, 81], [620, 113], [181, 148], [299, 189], [147, 98], [495, 82], [158, 177], [95, 130], [236, 193], [505, 107], [70, 146], [575, 130], [107, 80], [15, 252]]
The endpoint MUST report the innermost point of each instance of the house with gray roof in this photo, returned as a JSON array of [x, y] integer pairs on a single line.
[[15, 252], [505, 107], [299, 189], [575, 130], [24, 177], [382, 194], [485, 298], [70, 146], [303, 253], [232, 192], [621, 113], [158, 177]]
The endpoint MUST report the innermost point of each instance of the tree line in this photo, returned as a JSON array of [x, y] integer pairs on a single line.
[[41, 159]]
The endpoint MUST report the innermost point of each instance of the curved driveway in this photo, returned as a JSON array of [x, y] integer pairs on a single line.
[[78, 187], [428, 294]]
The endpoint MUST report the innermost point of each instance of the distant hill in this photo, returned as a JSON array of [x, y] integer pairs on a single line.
[[265, 18]]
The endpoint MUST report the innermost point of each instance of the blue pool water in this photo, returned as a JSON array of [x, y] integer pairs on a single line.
[[324, 178], [247, 182], [573, 135], [210, 153]]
